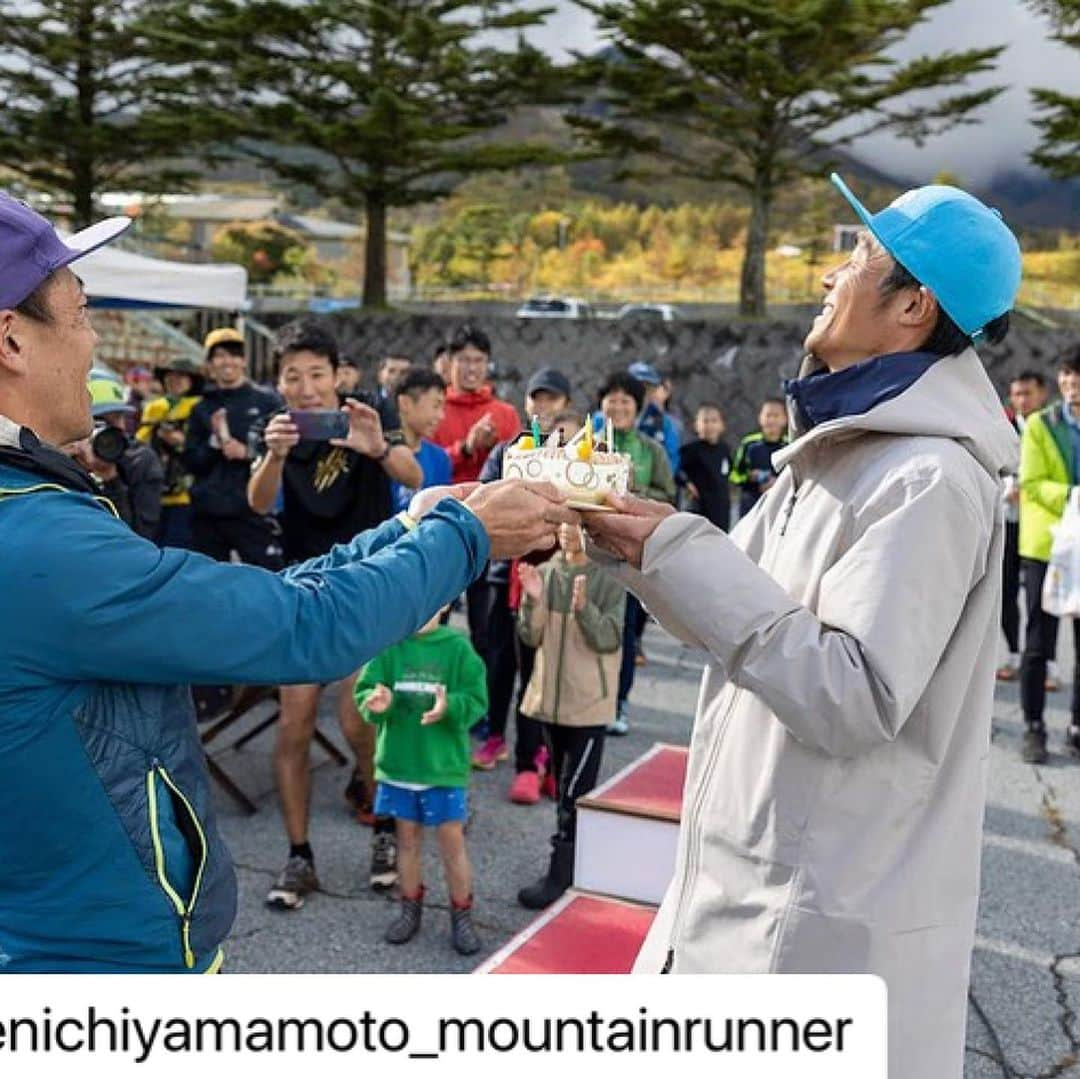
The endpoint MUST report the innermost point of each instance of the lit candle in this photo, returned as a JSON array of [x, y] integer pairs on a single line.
[[585, 447], [538, 438]]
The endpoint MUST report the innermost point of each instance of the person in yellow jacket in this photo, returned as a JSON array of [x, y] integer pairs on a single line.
[[1049, 466], [164, 427]]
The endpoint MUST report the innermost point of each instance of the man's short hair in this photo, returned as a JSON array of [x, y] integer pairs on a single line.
[[1030, 376], [417, 381], [623, 382], [36, 306], [710, 406], [391, 358], [1069, 360], [467, 335], [773, 401], [306, 335], [946, 338]]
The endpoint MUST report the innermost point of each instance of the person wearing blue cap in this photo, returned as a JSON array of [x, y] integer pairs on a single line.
[[834, 799], [112, 862], [654, 419]]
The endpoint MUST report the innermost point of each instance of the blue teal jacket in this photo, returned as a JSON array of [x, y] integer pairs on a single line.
[[110, 860]]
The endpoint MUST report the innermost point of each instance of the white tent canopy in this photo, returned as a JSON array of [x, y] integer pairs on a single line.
[[122, 279]]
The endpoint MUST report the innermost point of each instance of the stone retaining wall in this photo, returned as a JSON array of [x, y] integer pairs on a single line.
[[733, 363]]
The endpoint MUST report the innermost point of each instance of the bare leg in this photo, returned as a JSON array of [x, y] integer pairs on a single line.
[[410, 842], [292, 757], [456, 861], [359, 734]]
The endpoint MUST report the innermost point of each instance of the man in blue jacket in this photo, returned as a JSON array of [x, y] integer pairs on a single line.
[[110, 860]]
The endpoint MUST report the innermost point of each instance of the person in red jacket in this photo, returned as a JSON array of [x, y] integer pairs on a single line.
[[475, 418], [474, 422]]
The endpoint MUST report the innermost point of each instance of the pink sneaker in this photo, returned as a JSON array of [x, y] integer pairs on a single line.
[[525, 790], [490, 753]]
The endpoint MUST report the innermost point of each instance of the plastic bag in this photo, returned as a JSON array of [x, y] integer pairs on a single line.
[[1061, 588]]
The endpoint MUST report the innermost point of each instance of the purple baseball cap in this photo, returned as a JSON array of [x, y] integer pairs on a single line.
[[30, 249]]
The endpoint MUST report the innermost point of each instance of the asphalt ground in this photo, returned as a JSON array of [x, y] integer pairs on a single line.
[[1025, 986]]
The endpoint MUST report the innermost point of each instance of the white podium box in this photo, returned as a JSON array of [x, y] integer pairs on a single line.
[[628, 828]]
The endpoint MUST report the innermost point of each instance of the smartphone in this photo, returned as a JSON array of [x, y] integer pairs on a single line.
[[321, 424]]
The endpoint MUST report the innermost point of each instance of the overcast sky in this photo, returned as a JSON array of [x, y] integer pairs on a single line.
[[1000, 143]]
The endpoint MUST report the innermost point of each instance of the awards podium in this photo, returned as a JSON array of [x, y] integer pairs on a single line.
[[627, 836]]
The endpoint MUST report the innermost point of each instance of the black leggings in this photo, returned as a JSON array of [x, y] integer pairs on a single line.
[[576, 753]]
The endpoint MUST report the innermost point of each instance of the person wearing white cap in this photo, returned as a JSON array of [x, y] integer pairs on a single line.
[[834, 798]]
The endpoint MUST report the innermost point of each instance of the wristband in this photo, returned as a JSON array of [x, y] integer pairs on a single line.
[[385, 453]]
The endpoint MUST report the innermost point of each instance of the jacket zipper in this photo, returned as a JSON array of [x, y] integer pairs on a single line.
[[183, 910], [562, 653], [694, 815], [14, 492]]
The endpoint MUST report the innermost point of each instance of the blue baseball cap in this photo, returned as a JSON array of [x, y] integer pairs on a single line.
[[949, 241], [645, 372], [30, 249]]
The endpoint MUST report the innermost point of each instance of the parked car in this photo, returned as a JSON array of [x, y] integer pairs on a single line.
[[648, 312], [555, 307]]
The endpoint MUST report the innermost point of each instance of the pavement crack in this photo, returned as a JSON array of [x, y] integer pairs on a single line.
[[1000, 1059], [1055, 819], [975, 1051], [1067, 1017]]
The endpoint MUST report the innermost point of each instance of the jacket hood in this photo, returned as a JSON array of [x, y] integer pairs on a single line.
[[954, 398]]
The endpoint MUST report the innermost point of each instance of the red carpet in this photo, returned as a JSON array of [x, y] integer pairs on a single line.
[[651, 788], [587, 935]]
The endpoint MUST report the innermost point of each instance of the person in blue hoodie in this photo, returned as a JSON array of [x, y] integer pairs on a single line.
[[112, 861]]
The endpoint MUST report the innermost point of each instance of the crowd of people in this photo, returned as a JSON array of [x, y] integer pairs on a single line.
[[1035, 502], [217, 464]]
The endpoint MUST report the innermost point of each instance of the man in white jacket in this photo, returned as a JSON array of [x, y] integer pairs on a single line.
[[834, 799]]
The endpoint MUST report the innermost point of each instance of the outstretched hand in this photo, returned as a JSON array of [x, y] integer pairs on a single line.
[[520, 517], [625, 532]]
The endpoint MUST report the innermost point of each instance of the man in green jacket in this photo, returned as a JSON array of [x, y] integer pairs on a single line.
[[1049, 466]]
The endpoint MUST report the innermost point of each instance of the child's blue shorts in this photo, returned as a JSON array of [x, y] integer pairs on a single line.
[[430, 807]]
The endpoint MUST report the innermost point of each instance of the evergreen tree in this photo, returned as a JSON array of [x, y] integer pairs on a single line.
[[749, 92], [84, 101], [1059, 150], [373, 104]]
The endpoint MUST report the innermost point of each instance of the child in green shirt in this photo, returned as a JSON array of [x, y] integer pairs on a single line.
[[423, 695]]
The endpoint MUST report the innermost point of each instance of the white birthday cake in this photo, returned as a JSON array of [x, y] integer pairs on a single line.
[[579, 471]]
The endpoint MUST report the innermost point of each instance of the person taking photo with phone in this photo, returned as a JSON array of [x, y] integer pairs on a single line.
[[332, 489]]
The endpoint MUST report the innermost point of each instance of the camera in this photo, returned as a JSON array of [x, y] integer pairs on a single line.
[[108, 443]]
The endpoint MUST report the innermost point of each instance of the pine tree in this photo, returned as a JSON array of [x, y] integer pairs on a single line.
[[752, 92], [372, 104], [1059, 150], [85, 103]]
